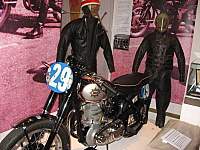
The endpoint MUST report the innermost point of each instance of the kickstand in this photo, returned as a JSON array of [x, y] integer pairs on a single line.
[[91, 148]]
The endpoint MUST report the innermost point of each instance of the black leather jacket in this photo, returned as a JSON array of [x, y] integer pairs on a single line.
[[160, 48], [86, 35]]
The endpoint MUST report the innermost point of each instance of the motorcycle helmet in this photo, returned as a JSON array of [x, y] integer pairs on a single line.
[[90, 7], [89, 2], [162, 22]]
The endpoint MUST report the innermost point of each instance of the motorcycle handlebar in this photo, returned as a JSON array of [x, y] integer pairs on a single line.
[[73, 62], [106, 84], [110, 88]]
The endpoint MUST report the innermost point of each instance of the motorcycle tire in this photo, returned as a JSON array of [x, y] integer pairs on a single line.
[[4, 13], [138, 28], [38, 133]]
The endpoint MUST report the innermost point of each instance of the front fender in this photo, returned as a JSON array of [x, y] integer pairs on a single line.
[[27, 121]]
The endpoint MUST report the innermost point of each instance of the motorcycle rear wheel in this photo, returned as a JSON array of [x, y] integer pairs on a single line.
[[4, 13], [139, 26], [38, 133]]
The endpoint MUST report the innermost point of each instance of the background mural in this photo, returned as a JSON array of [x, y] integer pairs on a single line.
[[182, 15], [23, 91]]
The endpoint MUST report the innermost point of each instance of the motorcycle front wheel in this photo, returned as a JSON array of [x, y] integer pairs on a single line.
[[140, 21], [36, 138], [4, 13]]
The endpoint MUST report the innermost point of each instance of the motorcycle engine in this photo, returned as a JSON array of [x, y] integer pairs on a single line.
[[97, 124], [92, 113], [101, 129]]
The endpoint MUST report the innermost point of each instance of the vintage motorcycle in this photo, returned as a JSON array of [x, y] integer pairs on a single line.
[[144, 13], [96, 111], [32, 5]]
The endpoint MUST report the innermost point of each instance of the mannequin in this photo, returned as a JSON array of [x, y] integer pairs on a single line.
[[86, 35], [160, 47]]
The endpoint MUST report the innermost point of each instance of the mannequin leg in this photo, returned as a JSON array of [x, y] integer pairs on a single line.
[[37, 31], [163, 96]]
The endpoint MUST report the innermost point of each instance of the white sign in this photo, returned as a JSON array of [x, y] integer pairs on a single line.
[[176, 139], [123, 15]]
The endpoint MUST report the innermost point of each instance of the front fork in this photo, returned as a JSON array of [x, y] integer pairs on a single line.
[[50, 102], [63, 110]]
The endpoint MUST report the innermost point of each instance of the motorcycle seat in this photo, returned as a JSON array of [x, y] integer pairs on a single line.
[[131, 84], [134, 79]]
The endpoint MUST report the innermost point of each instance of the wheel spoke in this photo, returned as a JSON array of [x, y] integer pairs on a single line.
[[37, 142], [38, 134]]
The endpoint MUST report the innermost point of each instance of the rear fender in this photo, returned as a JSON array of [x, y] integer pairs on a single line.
[[24, 123]]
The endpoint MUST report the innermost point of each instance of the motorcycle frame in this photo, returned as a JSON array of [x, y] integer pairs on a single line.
[[70, 100], [65, 109]]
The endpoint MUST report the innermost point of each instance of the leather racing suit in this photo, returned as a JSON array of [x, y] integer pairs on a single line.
[[86, 36], [160, 49]]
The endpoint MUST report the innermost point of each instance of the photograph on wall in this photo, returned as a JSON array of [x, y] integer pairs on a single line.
[[28, 38], [182, 15], [122, 24]]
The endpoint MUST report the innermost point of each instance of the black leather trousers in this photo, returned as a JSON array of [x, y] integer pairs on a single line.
[[160, 82]]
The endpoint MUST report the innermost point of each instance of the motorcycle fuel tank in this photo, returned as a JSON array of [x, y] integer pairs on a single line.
[[92, 93]]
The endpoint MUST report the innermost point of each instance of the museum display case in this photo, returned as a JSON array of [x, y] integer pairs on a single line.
[[193, 86]]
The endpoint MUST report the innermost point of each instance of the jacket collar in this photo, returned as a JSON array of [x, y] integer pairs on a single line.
[[160, 33]]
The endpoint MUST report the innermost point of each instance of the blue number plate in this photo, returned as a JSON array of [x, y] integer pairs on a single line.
[[59, 77]]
